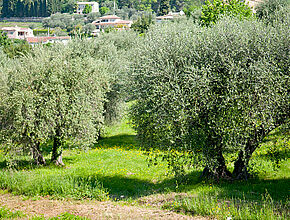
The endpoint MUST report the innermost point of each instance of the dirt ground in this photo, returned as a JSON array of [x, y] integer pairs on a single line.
[[90, 209]]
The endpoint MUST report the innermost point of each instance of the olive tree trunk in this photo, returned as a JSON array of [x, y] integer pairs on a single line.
[[241, 164], [37, 155], [56, 156]]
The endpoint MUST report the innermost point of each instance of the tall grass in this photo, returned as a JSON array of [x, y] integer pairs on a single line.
[[234, 208], [57, 184]]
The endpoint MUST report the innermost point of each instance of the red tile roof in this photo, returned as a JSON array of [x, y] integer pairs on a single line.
[[110, 17], [45, 39]]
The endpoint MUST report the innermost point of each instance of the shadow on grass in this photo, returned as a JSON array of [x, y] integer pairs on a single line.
[[19, 164], [29, 164], [124, 141], [122, 187], [255, 189]]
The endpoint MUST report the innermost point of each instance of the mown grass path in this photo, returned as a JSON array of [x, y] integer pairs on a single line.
[[89, 209]]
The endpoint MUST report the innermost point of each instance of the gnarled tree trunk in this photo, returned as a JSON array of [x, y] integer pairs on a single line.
[[56, 156], [220, 171], [37, 155]]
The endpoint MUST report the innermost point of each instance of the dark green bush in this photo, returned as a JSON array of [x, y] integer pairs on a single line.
[[42, 32], [206, 92]]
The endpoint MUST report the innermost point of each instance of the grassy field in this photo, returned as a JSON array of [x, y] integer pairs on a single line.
[[117, 170], [21, 24]]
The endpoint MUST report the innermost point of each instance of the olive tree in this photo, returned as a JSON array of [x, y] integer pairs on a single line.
[[115, 50], [53, 95], [267, 10], [209, 92]]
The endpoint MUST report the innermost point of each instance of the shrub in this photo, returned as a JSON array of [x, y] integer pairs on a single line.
[[63, 21], [142, 24], [42, 31], [267, 10], [207, 92], [212, 10]]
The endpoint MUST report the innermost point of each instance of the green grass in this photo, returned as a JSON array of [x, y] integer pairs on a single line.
[[7, 214], [108, 171], [64, 216], [117, 170], [20, 24]]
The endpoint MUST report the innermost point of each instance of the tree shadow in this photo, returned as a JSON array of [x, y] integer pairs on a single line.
[[29, 164], [255, 189], [19, 164], [122, 187], [124, 141]]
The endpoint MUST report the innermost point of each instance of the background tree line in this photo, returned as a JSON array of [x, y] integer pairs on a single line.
[[30, 8], [44, 8]]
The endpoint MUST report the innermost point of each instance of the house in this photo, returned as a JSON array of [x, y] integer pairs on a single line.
[[27, 35], [169, 16], [45, 40], [164, 18], [112, 21], [18, 32], [81, 6]]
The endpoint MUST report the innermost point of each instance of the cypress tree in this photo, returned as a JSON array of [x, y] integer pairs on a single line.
[[19, 8], [26, 9], [4, 8], [31, 9], [45, 12], [40, 9], [164, 7], [10, 8], [36, 10]]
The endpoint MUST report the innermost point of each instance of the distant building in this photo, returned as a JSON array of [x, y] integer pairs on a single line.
[[81, 6], [27, 34], [18, 32], [112, 21], [169, 16], [45, 40]]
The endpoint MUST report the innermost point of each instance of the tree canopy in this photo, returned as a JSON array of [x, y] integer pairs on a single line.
[[206, 93]]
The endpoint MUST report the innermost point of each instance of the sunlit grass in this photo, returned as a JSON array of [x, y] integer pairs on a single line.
[[8, 214], [116, 169]]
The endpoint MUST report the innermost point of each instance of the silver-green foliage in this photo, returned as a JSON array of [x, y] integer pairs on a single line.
[[113, 48], [53, 93], [63, 92], [211, 91], [268, 9]]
